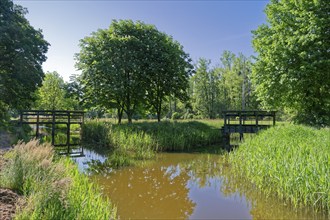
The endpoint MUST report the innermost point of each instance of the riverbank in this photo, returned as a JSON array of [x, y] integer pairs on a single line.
[[52, 187], [9, 199], [290, 161]]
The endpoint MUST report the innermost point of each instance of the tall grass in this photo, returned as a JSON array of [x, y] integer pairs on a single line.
[[52, 188], [140, 141], [291, 161], [164, 136]]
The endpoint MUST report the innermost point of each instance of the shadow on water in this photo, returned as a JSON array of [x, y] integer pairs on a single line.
[[190, 185]]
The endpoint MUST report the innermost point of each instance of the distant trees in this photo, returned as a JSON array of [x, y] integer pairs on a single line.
[[55, 94], [205, 97], [132, 64], [225, 87], [22, 52], [292, 68]]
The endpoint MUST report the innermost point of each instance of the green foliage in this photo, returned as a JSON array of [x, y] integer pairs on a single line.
[[290, 161], [55, 94], [206, 89], [51, 93], [225, 87], [131, 62], [22, 52], [53, 189], [292, 69]]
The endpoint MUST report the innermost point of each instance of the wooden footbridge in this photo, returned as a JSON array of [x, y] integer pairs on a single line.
[[59, 124], [245, 122]]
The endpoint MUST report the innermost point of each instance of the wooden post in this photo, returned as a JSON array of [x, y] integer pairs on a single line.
[[37, 125], [256, 114], [274, 118], [68, 132], [240, 126], [21, 118], [53, 128]]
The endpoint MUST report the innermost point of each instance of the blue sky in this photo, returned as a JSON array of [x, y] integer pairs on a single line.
[[204, 28]]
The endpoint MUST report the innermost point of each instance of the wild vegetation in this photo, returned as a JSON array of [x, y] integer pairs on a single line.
[[141, 140], [52, 187], [291, 161]]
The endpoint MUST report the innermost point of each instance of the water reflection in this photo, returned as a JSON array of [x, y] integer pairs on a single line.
[[90, 156], [192, 186]]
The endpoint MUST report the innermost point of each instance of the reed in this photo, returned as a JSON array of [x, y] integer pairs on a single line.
[[290, 161], [52, 187], [164, 136], [131, 143]]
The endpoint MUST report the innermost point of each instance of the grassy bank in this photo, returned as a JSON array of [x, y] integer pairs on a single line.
[[52, 188], [291, 161], [141, 140]]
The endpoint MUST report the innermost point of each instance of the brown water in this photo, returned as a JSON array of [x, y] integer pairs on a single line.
[[190, 186]]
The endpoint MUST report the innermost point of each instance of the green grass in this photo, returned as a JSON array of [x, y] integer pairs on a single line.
[[290, 161], [140, 141], [164, 136], [52, 188]]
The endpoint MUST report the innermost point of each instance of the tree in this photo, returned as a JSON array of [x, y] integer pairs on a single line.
[[132, 64], [74, 93], [51, 93], [236, 88], [22, 52], [292, 68], [205, 89]]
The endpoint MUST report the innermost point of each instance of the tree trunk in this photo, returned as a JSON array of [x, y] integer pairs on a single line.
[[119, 114], [159, 110], [129, 119]]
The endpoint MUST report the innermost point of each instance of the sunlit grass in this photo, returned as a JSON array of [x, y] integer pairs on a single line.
[[291, 161], [52, 188], [141, 140]]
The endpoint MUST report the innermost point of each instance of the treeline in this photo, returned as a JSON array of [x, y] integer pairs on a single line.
[[210, 90], [133, 70]]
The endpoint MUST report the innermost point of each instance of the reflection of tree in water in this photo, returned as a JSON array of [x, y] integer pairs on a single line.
[[150, 192], [203, 169]]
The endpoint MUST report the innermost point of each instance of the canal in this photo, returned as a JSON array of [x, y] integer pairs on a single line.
[[188, 186]]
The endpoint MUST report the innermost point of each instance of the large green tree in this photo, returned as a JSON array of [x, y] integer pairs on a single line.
[[292, 68], [132, 64], [22, 52]]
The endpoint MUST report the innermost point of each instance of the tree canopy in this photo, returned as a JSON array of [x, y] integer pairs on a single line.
[[22, 52], [132, 64], [292, 68]]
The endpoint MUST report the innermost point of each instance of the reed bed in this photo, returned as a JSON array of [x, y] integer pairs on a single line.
[[164, 136], [52, 187], [130, 143], [290, 161]]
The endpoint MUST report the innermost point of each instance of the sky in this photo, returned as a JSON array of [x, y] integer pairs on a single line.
[[204, 28]]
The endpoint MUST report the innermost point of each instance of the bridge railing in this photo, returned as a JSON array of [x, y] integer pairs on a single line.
[[248, 121], [50, 119]]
